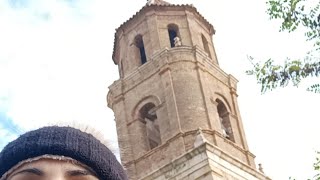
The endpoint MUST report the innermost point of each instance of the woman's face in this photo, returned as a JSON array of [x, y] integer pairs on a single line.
[[47, 169]]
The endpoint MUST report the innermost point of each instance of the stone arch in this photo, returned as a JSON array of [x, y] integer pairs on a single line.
[[224, 118], [141, 52], [173, 31], [206, 45], [224, 100], [224, 112], [147, 99], [145, 113]]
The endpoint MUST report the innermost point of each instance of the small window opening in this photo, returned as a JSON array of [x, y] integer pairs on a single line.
[[121, 68], [173, 31], [205, 45], [149, 117], [140, 45], [225, 121], [172, 35]]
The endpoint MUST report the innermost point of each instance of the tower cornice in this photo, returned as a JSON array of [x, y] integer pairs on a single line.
[[159, 64]]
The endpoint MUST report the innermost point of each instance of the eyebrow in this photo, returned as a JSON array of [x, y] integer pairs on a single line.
[[78, 173], [31, 171], [81, 172], [71, 173]]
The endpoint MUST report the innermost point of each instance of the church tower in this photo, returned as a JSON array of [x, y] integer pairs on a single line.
[[176, 110]]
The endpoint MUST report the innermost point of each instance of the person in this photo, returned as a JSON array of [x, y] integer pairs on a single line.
[[59, 153]]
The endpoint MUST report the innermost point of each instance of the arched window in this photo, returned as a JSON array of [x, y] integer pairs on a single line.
[[205, 45], [149, 117], [139, 43], [224, 120], [173, 31]]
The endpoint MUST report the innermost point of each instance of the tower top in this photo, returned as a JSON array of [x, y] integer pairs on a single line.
[[158, 8], [157, 2]]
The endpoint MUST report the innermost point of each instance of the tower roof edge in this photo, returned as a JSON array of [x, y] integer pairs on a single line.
[[157, 2]]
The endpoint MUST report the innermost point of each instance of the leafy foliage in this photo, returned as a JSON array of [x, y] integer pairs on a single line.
[[303, 14], [295, 13], [316, 166], [271, 76]]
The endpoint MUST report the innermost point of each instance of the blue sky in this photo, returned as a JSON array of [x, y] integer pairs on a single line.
[[44, 77], [56, 66], [11, 11], [8, 130]]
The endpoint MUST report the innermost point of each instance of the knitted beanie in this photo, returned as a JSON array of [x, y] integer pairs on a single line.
[[63, 141]]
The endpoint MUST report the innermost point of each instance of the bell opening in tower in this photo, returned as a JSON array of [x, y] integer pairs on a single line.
[[149, 118], [206, 45], [173, 31], [140, 45], [225, 121]]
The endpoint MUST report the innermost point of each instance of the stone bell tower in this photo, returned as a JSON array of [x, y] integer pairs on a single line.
[[176, 110]]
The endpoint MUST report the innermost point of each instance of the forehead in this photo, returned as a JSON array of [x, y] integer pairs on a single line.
[[51, 163]]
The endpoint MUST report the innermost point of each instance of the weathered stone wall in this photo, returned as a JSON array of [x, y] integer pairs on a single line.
[[205, 162], [184, 90]]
